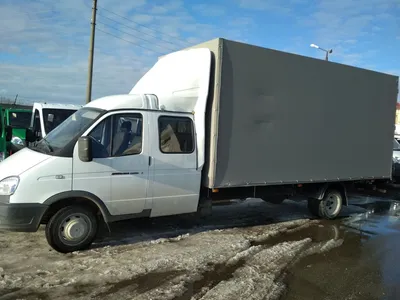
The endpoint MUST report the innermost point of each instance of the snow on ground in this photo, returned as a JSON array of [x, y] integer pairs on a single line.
[[167, 269], [232, 263]]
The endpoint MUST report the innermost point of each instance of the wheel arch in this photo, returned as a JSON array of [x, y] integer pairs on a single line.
[[339, 186], [64, 199]]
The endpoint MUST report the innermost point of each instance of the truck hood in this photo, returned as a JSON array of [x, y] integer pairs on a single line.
[[20, 162]]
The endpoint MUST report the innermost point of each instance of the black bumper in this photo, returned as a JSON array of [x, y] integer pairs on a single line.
[[21, 217]]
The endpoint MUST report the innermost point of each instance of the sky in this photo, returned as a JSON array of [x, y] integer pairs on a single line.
[[45, 43]]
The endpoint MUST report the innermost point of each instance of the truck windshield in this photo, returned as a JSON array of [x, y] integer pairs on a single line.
[[19, 119], [70, 129], [54, 117]]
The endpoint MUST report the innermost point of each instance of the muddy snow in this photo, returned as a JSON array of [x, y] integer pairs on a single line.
[[236, 263], [246, 256]]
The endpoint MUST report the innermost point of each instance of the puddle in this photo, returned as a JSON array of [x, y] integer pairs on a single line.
[[366, 266], [321, 232]]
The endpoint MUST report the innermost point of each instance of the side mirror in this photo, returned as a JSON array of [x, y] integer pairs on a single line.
[[8, 133], [85, 148], [30, 136]]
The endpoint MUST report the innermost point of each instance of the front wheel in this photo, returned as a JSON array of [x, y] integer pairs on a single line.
[[72, 228]]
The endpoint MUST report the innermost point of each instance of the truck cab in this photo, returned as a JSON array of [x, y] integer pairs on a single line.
[[121, 155], [45, 117]]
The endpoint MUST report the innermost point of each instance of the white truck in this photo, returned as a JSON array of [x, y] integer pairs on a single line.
[[221, 120], [47, 116]]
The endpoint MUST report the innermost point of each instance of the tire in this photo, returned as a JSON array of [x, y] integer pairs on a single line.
[[81, 222], [331, 205]]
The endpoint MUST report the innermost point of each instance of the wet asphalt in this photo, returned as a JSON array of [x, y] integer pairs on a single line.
[[365, 266]]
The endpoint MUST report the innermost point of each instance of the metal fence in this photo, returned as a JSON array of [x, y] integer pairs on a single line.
[[8, 103]]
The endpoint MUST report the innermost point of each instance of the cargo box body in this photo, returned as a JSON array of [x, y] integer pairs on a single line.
[[280, 118]]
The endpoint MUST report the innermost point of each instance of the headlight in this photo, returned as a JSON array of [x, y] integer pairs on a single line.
[[17, 141], [9, 185]]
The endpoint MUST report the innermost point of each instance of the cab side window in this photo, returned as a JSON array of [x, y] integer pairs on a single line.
[[127, 134], [101, 136], [176, 134], [117, 135]]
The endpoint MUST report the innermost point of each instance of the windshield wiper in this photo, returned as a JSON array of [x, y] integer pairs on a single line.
[[35, 147], [48, 145]]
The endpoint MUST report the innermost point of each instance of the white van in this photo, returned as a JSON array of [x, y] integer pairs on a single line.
[[47, 116]]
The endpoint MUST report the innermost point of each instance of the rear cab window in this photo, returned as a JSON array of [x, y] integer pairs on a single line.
[[176, 134]]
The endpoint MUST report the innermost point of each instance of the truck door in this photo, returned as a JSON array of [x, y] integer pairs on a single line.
[[174, 178], [118, 173]]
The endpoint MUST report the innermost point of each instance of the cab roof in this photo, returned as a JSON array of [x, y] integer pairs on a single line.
[[44, 105], [127, 101]]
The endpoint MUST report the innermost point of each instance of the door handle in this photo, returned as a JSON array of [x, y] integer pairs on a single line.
[[149, 160], [124, 173]]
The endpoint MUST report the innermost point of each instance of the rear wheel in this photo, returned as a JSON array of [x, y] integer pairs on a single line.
[[331, 205], [72, 228]]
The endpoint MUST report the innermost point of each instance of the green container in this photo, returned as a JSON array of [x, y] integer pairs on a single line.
[[19, 119]]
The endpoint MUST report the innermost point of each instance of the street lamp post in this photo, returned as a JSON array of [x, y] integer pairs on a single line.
[[326, 51]]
